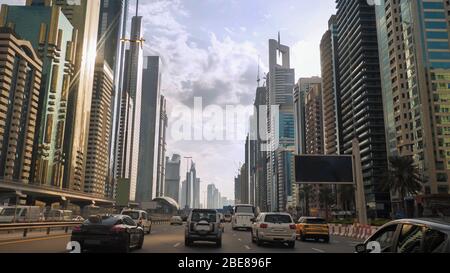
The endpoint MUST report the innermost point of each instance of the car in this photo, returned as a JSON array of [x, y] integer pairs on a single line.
[[274, 228], [227, 218], [222, 222], [20, 214], [176, 220], [55, 215], [243, 214], [203, 225], [409, 236], [141, 218], [313, 228], [109, 232]]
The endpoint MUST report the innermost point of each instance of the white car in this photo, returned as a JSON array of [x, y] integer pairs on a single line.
[[176, 220], [274, 228], [141, 218], [243, 214]]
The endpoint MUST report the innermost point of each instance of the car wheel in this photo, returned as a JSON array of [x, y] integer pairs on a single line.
[[327, 240], [149, 229], [302, 238], [253, 238], [219, 243], [126, 245], [258, 241], [187, 242], [141, 241], [291, 244]]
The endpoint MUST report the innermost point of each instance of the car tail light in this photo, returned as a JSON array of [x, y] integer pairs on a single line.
[[292, 226], [264, 226], [76, 229], [118, 229]]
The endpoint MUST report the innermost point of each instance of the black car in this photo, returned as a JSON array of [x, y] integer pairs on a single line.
[[109, 232], [203, 226], [409, 236]]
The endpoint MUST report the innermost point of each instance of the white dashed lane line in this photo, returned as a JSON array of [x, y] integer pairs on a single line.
[[318, 250], [177, 245], [247, 247]]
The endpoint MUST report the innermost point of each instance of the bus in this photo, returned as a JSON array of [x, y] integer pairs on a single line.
[[242, 216]]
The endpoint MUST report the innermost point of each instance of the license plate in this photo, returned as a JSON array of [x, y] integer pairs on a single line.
[[92, 242], [278, 230], [202, 228]]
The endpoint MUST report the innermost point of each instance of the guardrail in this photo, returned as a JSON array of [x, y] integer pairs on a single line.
[[27, 227]]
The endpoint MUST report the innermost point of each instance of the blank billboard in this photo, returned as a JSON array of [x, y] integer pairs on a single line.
[[324, 169]]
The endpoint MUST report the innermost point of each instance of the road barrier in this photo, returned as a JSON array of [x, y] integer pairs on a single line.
[[361, 232]]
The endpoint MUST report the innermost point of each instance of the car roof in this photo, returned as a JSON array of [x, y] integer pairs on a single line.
[[276, 213], [312, 218], [433, 223]]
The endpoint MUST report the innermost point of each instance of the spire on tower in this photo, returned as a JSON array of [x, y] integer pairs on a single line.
[[258, 79]]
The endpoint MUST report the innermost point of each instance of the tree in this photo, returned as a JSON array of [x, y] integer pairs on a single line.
[[347, 196], [403, 178], [326, 199], [305, 195]]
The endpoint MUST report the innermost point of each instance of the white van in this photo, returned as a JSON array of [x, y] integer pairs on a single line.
[[56, 215], [243, 215], [141, 218], [20, 214]]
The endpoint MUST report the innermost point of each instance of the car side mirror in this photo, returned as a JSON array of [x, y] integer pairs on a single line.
[[361, 248]]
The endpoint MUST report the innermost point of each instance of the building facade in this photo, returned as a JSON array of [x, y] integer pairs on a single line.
[[20, 84], [361, 97], [162, 147], [172, 177], [314, 121]]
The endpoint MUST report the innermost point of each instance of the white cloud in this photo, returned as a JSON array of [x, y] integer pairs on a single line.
[[305, 58]]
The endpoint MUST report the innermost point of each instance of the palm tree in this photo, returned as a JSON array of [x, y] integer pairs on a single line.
[[326, 198], [305, 194], [347, 196], [403, 178]]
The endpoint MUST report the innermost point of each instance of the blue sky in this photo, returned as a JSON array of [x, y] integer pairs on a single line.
[[210, 48]]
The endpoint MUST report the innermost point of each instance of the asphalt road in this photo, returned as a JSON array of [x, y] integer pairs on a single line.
[[170, 239]]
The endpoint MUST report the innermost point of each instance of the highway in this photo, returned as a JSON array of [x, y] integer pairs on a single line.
[[170, 239]]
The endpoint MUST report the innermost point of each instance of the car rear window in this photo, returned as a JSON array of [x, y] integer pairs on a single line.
[[209, 216], [102, 220], [133, 214], [278, 219], [316, 221]]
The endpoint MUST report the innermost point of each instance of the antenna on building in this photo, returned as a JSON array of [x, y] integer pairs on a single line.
[[279, 43], [137, 8], [258, 80]]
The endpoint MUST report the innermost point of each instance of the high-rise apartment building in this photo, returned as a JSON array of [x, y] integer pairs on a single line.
[[415, 68], [361, 97], [314, 121], [20, 87], [97, 160], [54, 40], [162, 148], [330, 89]]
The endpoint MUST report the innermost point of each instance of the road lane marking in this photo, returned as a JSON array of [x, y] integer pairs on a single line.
[[318, 250], [247, 247], [34, 240], [177, 245], [239, 239]]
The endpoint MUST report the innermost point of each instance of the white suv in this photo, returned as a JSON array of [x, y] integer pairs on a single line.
[[141, 218], [274, 228]]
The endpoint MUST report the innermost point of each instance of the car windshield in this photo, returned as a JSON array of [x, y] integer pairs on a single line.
[[209, 216], [278, 219], [8, 212], [245, 209], [317, 221], [133, 214]]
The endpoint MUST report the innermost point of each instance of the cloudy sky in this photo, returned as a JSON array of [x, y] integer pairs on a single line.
[[210, 49]]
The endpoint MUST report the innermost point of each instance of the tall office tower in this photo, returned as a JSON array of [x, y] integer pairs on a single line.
[[162, 148], [361, 97], [127, 163], [260, 154], [245, 174], [314, 121], [415, 66], [281, 81], [112, 26], [196, 193], [183, 194], [172, 177], [149, 172], [237, 189], [191, 180], [300, 90], [330, 89], [54, 39], [210, 196], [83, 15], [97, 161], [20, 87]]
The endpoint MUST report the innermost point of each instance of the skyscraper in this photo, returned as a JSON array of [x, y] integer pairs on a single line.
[[415, 68], [149, 169], [314, 121], [172, 177], [281, 79], [210, 196], [183, 194], [361, 97], [128, 141], [162, 147], [330, 89], [20, 81], [48, 31], [97, 160], [84, 16]]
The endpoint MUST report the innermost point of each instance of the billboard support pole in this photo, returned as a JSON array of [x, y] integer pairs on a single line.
[[359, 190]]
